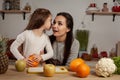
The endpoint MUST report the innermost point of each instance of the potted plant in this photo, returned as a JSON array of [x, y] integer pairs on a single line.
[[83, 37]]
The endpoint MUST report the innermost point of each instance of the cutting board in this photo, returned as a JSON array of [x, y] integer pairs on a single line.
[[36, 70]]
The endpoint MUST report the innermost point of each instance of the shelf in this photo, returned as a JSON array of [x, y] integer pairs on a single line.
[[102, 13], [14, 11]]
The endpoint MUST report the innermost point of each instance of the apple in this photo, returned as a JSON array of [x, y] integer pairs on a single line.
[[115, 9], [92, 5], [49, 70], [20, 65], [103, 54]]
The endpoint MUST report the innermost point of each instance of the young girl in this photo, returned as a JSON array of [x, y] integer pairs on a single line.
[[34, 39]]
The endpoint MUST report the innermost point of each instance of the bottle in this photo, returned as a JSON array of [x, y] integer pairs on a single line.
[[105, 8], [27, 7], [94, 51], [7, 5], [3, 5]]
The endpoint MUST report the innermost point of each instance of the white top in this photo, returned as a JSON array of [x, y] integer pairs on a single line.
[[32, 45]]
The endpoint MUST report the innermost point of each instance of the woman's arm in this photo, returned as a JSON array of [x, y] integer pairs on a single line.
[[14, 46], [74, 51]]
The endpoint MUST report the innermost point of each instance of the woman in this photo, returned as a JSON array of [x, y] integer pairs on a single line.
[[65, 46], [34, 38]]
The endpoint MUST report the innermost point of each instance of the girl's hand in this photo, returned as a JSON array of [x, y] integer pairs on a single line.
[[29, 63], [42, 52], [37, 57]]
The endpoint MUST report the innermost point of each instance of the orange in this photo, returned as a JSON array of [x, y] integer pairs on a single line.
[[35, 63], [83, 70], [74, 63]]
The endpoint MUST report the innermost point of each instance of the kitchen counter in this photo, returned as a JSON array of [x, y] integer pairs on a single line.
[[12, 74]]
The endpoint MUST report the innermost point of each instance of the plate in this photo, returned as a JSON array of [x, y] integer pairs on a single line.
[[36, 70]]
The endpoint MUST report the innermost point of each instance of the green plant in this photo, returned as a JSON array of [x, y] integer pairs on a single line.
[[117, 63], [82, 36]]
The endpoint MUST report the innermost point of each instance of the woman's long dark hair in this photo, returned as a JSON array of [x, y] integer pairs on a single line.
[[69, 37], [38, 18]]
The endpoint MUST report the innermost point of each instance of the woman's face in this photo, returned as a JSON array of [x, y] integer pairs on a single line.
[[59, 26], [48, 23]]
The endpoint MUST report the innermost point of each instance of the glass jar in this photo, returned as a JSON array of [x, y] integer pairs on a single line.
[[27, 7], [7, 5]]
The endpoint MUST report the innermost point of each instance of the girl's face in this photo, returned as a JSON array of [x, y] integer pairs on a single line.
[[59, 26], [48, 23]]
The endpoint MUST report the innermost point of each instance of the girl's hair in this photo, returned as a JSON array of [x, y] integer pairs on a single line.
[[38, 18], [69, 37]]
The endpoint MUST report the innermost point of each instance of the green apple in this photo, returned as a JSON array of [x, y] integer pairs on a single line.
[[20, 65], [49, 70]]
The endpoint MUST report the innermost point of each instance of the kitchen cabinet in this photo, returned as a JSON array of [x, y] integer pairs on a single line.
[[3, 12], [93, 13]]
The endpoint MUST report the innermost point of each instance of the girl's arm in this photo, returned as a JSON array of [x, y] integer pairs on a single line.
[[49, 50], [14, 46]]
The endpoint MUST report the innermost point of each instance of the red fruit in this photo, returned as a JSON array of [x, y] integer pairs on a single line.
[[103, 54], [115, 9], [119, 8], [95, 55]]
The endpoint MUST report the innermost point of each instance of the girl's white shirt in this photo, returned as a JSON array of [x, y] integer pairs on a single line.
[[32, 45]]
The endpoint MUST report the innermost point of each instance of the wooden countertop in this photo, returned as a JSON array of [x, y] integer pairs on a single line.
[[12, 74]]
